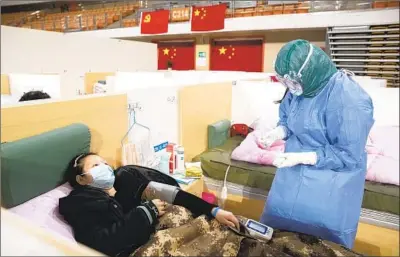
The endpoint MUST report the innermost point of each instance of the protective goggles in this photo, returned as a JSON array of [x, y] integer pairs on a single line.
[[292, 80], [290, 83]]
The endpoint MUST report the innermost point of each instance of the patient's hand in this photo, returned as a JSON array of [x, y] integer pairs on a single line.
[[161, 206], [227, 218]]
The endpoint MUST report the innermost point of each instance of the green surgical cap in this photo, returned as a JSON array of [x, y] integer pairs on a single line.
[[316, 73]]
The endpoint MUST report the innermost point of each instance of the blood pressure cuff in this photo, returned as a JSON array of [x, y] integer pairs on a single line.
[[163, 192], [132, 180]]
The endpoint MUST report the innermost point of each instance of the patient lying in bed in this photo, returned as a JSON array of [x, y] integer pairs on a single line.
[[116, 214], [120, 220]]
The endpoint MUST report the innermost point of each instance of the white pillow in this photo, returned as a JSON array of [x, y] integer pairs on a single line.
[[23, 83], [8, 99]]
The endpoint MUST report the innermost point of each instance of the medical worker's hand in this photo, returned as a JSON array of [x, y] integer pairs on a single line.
[[265, 140], [161, 206], [227, 218], [292, 159]]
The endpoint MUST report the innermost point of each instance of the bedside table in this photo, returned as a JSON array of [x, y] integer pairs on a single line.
[[195, 188]]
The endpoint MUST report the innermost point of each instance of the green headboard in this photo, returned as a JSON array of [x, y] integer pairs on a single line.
[[35, 165], [218, 133]]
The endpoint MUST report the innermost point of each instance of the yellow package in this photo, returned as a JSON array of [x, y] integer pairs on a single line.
[[193, 172]]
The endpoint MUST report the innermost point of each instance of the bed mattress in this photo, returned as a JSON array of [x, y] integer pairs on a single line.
[[378, 197]]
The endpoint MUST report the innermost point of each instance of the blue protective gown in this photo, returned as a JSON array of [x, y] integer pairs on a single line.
[[323, 200]]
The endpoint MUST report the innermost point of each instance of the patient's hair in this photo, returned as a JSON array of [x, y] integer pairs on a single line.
[[75, 167], [34, 95]]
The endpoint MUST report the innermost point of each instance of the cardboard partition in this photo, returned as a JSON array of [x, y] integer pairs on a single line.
[[106, 117]]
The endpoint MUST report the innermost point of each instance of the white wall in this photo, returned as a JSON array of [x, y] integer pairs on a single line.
[[252, 100], [125, 81], [71, 55]]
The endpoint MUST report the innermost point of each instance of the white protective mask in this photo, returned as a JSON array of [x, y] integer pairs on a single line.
[[103, 176], [292, 80]]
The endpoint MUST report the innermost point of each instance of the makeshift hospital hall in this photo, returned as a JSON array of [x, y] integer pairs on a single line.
[[200, 128]]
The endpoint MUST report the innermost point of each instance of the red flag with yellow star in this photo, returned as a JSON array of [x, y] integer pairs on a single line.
[[180, 55], [155, 22], [238, 55], [206, 18]]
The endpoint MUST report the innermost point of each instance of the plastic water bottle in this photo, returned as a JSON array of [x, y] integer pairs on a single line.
[[180, 160]]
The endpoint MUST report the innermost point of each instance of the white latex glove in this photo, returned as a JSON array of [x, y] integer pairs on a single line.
[[265, 140], [292, 159]]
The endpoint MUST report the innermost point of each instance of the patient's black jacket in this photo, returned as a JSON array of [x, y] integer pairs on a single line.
[[118, 225]]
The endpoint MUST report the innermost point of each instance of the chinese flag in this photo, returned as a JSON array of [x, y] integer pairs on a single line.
[[206, 18], [246, 55], [155, 22], [180, 54]]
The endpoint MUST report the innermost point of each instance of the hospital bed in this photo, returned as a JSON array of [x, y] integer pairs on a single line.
[[32, 174], [32, 183], [38, 141], [380, 204], [36, 241]]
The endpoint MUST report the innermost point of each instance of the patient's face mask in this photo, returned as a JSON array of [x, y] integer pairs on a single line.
[[292, 80], [103, 176]]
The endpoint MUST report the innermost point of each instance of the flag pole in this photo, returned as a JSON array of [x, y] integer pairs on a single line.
[[191, 13]]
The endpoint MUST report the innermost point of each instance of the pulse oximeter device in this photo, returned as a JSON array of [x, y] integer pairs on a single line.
[[259, 230]]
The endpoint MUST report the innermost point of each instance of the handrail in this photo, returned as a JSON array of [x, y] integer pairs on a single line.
[[121, 14]]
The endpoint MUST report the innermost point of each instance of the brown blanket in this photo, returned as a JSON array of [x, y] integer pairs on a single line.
[[179, 234]]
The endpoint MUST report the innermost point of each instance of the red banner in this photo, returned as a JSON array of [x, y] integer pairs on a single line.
[[237, 56], [155, 22], [207, 18], [180, 55]]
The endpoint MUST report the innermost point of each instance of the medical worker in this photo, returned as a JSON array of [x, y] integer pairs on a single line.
[[325, 119]]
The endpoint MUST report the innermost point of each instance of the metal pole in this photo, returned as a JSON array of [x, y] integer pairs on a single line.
[[233, 9], [66, 22], [105, 20], [80, 22]]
